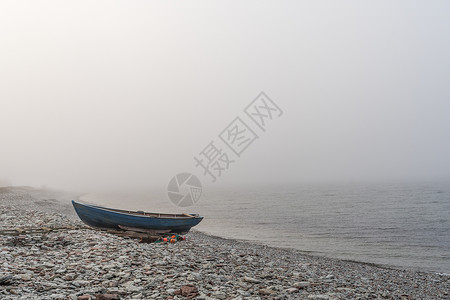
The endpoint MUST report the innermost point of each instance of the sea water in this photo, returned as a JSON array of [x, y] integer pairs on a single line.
[[398, 225]]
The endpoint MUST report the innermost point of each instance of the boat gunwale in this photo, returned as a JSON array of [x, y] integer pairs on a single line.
[[142, 214]]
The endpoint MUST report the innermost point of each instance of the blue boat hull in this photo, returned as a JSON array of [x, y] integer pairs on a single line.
[[101, 217]]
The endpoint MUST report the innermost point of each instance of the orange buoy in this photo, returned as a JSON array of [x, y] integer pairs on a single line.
[[172, 241]]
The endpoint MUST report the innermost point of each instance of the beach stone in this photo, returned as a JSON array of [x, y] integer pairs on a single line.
[[79, 283], [5, 279], [219, 295], [266, 292], [69, 277], [107, 297], [301, 284], [190, 278], [292, 290], [131, 288], [250, 279], [189, 291], [26, 277], [319, 297], [113, 283]]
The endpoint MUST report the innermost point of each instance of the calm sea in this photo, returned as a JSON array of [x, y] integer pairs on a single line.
[[400, 225]]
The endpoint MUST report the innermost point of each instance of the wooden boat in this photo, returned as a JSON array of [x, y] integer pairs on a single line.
[[102, 217]]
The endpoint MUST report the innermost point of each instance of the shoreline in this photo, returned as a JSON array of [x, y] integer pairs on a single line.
[[343, 224], [217, 267], [314, 254]]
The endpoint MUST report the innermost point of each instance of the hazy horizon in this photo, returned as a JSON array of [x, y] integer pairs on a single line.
[[99, 94]]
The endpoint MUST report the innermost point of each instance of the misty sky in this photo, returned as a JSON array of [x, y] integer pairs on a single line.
[[126, 93]]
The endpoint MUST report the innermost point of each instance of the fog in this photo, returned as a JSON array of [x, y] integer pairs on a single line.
[[124, 94]]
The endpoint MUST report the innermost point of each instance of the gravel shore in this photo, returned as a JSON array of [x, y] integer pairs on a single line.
[[89, 264]]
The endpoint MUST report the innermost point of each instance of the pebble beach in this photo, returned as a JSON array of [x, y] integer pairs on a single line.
[[66, 260]]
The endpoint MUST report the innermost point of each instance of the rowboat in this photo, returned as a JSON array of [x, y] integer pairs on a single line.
[[110, 218]]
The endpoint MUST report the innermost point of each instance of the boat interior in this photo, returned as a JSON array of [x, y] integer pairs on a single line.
[[149, 214]]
